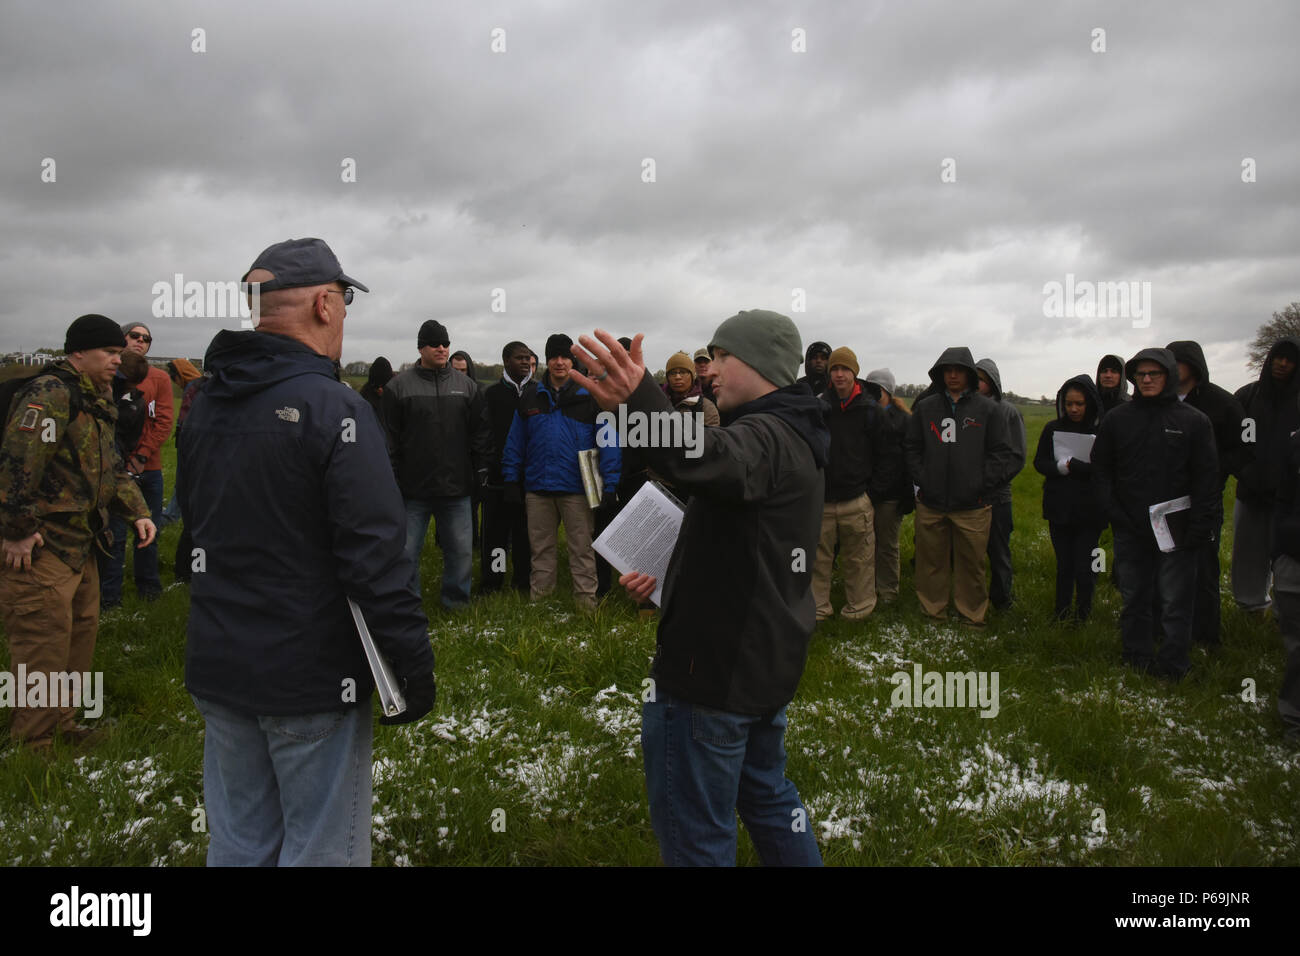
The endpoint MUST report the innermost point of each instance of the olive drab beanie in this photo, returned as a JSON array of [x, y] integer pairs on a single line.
[[844, 356], [768, 342]]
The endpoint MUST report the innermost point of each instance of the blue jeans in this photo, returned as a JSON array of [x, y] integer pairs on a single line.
[[287, 791], [455, 534], [112, 570], [172, 513], [704, 765], [1143, 575]]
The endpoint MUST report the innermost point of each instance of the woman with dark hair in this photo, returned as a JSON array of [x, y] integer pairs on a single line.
[[381, 370], [1074, 519]]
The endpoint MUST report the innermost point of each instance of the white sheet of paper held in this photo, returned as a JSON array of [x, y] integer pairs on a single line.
[[391, 701], [1160, 520], [1072, 445], [642, 536]]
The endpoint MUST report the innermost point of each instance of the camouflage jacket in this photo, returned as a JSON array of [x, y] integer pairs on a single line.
[[61, 477]]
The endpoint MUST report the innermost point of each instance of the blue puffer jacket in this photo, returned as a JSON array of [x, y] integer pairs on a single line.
[[548, 431], [286, 488]]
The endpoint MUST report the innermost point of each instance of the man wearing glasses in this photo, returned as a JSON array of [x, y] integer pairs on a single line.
[[1151, 450], [293, 510], [144, 463]]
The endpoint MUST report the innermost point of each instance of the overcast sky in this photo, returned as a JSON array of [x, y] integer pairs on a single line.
[[795, 146]]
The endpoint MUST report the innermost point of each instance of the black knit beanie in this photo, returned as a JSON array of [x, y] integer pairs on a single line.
[[559, 345], [433, 333], [93, 332]]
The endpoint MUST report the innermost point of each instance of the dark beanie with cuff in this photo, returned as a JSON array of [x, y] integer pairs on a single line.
[[559, 345], [93, 332], [433, 333], [768, 342]]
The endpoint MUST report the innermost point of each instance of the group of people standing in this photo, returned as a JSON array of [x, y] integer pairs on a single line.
[[1108, 458], [512, 449], [308, 504]]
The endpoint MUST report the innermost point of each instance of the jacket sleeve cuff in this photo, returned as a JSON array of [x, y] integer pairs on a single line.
[[19, 527], [648, 397]]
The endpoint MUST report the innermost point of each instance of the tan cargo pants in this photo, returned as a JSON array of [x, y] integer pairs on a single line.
[[51, 615], [851, 524]]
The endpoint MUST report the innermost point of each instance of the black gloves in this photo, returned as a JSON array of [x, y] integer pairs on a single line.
[[608, 502], [421, 691], [513, 493]]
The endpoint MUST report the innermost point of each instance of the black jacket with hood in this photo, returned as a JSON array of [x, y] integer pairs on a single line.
[[1272, 407], [1015, 428], [1069, 499], [1156, 449], [1220, 407], [285, 487], [738, 610], [1111, 397], [959, 453]]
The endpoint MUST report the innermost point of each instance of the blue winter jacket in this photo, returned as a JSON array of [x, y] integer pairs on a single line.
[[548, 431], [286, 488]]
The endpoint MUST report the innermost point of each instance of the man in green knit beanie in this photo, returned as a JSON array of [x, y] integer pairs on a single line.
[[737, 603]]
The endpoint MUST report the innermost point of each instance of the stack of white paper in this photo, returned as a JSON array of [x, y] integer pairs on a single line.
[[642, 536]]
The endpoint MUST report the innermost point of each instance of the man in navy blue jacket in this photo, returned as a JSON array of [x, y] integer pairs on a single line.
[[555, 420], [287, 491]]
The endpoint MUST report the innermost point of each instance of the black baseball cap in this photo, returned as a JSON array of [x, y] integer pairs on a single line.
[[296, 263]]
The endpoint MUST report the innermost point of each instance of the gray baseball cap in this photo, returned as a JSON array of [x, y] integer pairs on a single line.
[[296, 263]]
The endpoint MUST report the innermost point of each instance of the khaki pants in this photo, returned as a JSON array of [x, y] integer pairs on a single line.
[[51, 614], [852, 524], [888, 522], [545, 512], [951, 545]]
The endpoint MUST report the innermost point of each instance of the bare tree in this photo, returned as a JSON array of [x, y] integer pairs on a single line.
[[1284, 323]]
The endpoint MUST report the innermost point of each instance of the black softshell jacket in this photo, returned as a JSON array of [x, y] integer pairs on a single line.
[[1156, 449], [738, 610]]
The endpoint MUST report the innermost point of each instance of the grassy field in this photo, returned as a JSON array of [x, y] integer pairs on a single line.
[[537, 730]]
